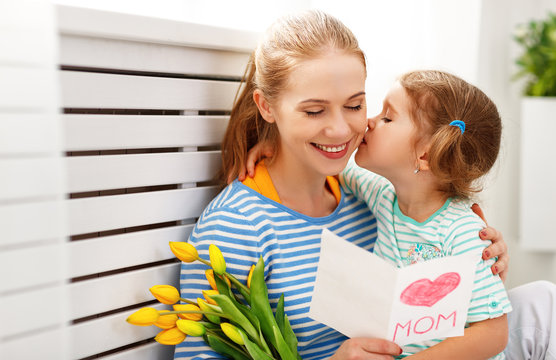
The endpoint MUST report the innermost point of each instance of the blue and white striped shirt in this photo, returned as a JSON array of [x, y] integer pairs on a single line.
[[452, 230], [245, 225]]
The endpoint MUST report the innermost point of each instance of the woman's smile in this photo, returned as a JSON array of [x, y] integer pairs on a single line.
[[334, 151]]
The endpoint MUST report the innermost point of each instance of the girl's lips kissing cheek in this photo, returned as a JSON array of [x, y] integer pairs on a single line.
[[334, 151]]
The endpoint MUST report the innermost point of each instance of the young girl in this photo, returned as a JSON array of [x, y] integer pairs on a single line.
[[436, 135]]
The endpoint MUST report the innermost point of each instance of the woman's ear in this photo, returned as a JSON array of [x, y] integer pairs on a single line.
[[263, 106]]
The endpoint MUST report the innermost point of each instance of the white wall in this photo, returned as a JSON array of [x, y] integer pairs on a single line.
[[497, 55]]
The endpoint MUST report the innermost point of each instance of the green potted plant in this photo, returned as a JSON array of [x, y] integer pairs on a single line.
[[537, 68], [537, 63]]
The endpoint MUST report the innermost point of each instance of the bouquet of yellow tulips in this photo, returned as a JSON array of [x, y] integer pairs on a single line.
[[238, 327]]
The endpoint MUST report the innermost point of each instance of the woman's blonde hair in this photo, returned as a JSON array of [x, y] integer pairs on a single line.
[[457, 158], [288, 41]]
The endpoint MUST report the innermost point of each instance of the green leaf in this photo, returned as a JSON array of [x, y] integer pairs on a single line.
[[282, 346], [538, 58], [253, 349], [289, 335], [261, 308], [225, 348], [280, 314], [235, 315]]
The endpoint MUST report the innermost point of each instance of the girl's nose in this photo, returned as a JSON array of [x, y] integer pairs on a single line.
[[371, 123]]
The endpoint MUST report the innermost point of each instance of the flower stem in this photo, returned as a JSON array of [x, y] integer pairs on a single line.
[[237, 282], [195, 312], [188, 301], [228, 275]]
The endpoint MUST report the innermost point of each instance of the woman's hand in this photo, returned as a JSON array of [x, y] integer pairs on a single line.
[[366, 349], [498, 248]]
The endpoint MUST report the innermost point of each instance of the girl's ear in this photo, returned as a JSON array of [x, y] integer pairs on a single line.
[[423, 157], [263, 106]]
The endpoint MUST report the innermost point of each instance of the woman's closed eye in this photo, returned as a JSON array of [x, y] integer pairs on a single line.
[[354, 108], [314, 113]]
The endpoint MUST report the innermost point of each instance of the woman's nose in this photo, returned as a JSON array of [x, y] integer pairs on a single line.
[[338, 126]]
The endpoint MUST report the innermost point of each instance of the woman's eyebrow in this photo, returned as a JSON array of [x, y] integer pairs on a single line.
[[321, 101], [356, 95]]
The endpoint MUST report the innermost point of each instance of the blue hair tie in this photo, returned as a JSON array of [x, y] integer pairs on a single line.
[[459, 124]]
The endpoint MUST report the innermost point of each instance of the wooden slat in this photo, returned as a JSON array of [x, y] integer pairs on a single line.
[[107, 293], [115, 54], [97, 90], [46, 218], [49, 343], [26, 312], [118, 251], [114, 212], [107, 333], [32, 266], [111, 25], [151, 351], [30, 178], [28, 134], [105, 132], [89, 173]]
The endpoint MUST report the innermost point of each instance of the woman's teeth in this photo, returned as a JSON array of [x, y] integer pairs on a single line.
[[331, 149]]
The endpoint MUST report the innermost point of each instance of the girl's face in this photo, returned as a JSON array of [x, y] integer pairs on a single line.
[[388, 148], [321, 115]]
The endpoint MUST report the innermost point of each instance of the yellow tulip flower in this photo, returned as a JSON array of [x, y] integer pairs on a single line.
[[217, 260], [166, 294], [232, 332], [208, 293], [166, 321], [250, 276], [209, 273], [144, 317], [184, 251], [171, 336], [190, 327], [188, 307], [206, 307]]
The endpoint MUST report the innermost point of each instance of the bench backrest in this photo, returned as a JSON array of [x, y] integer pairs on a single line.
[[145, 103]]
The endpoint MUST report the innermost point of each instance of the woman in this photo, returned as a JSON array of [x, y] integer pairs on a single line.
[[304, 92]]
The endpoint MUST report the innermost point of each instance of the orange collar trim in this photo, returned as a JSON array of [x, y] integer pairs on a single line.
[[262, 183]]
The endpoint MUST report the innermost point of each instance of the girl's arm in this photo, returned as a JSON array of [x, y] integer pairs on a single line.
[[365, 185], [481, 340]]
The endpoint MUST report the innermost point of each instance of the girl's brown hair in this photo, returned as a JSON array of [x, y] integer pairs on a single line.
[[457, 159], [287, 42]]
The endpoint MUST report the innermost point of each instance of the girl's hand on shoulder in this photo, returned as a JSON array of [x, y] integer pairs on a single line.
[[498, 248], [254, 155], [366, 349]]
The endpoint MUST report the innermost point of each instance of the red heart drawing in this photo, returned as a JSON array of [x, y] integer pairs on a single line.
[[427, 293]]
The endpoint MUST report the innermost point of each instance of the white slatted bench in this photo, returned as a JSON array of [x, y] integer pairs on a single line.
[[145, 103]]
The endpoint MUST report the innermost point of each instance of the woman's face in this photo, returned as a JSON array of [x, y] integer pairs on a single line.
[[321, 115]]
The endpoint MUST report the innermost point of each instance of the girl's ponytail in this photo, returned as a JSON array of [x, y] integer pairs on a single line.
[[450, 164], [461, 124]]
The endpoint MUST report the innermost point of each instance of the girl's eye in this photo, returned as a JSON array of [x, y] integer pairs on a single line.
[[354, 108], [313, 113], [386, 120]]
